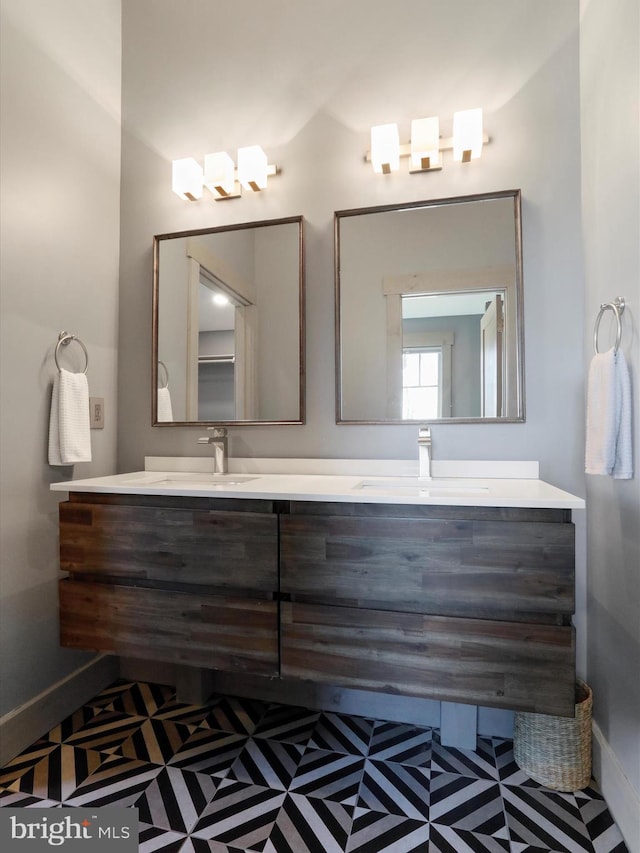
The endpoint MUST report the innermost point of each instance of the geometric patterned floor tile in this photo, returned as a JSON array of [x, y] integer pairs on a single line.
[[310, 825], [508, 770], [209, 751], [105, 731], [19, 800], [133, 697], [329, 776], [155, 741], [479, 763], [175, 799], [447, 839], [547, 819], [232, 714], [179, 712], [57, 776], [119, 781], [519, 847], [294, 725], [204, 845], [24, 762], [603, 832], [404, 744], [396, 789], [71, 724], [239, 816], [611, 842], [152, 839], [269, 763], [474, 805], [374, 832], [237, 775], [342, 733]]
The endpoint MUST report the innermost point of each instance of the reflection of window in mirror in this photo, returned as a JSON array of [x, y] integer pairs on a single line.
[[422, 383]]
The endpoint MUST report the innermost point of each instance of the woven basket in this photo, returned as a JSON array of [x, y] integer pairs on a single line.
[[556, 751]]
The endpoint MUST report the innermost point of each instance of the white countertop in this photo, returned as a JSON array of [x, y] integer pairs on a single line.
[[365, 482]]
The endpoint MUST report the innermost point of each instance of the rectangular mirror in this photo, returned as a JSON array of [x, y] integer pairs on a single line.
[[429, 311], [228, 325]]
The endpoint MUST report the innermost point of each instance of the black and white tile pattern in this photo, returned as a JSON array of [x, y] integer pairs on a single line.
[[242, 776]]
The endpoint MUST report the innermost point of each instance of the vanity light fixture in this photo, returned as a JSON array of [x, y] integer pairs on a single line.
[[426, 145], [252, 168], [186, 180], [219, 175], [467, 135], [385, 148]]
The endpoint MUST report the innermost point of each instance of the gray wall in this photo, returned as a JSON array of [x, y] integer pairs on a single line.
[[312, 114], [610, 82], [60, 164]]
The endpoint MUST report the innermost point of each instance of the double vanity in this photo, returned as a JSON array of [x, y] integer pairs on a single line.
[[356, 574], [348, 573]]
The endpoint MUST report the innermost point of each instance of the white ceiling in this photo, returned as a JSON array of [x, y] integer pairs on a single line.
[[447, 305], [213, 317]]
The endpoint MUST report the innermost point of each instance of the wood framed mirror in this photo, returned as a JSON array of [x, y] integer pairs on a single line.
[[429, 311], [228, 325]]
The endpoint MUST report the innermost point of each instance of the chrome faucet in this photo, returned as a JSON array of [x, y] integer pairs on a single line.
[[218, 439], [424, 453]]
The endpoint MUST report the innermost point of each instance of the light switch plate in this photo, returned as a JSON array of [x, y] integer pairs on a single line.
[[96, 412]]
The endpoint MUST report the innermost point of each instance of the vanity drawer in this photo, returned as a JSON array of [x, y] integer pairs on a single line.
[[507, 570], [171, 546], [496, 664], [216, 632]]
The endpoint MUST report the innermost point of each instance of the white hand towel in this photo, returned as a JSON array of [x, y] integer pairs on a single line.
[[623, 465], [608, 439], [165, 413], [69, 427]]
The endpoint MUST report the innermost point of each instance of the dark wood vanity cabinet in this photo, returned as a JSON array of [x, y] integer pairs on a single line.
[[452, 603], [458, 604], [181, 580]]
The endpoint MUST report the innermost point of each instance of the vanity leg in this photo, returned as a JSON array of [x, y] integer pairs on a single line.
[[458, 725], [193, 685]]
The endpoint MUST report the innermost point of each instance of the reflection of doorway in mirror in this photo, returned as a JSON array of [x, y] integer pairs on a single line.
[[220, 356], [492, 358], [471, 346], [216, 354]]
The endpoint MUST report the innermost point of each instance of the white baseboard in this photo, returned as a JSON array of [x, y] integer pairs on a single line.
[[623, 800], [25, 724]]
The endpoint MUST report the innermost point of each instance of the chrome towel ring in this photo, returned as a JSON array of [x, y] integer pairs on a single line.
[[617, 306], [64, 339], [166, 374]]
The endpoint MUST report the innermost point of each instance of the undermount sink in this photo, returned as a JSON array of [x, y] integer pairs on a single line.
[[435, 487], [187, 480]]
